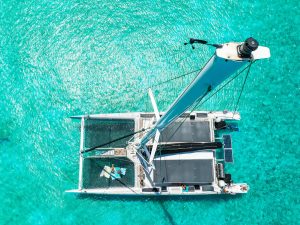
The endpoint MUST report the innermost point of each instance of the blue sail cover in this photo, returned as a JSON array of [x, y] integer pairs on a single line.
[[214, 73]]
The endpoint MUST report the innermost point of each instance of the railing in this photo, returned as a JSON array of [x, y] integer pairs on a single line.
[[80, 153]]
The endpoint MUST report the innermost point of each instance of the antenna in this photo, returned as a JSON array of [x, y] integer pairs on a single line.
[[193, 41]]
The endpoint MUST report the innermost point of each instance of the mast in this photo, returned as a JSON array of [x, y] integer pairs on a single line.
[[227, 59]]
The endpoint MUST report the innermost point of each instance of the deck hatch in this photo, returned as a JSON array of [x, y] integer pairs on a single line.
[[188, 131], [188, 171]]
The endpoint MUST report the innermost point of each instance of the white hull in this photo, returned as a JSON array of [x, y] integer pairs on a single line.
[[141, 188]]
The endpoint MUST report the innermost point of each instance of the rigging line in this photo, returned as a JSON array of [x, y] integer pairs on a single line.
[[229, 81], [191, 84], [195, 79], [121, 182], [131, 139], [117, 139], [138, 91], [174, 62], [145, 89], [182, 59], [248, 72], [174, 78], [171, 79], [197, 103], [135, 136], [125, 185], [170, 65], [248, 66]]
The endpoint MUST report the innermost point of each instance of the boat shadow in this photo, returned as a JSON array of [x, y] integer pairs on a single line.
[[160, 200]]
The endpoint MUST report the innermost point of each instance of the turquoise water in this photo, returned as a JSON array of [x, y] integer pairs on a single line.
[[63, 58]]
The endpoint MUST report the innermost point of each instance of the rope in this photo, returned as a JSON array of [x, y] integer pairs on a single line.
[[224, 85], [121, 182], [242, 89], [143, 91], [198, 101], [174, 78], [117, 139]]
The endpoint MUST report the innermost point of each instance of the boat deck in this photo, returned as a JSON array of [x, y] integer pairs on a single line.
[[194, 168]]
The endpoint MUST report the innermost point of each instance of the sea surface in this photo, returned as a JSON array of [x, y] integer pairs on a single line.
[[64, 58]]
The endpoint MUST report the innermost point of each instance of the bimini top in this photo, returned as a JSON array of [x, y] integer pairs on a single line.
[[192, 168]]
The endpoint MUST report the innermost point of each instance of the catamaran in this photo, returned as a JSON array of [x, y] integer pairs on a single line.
[[176, 152]]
